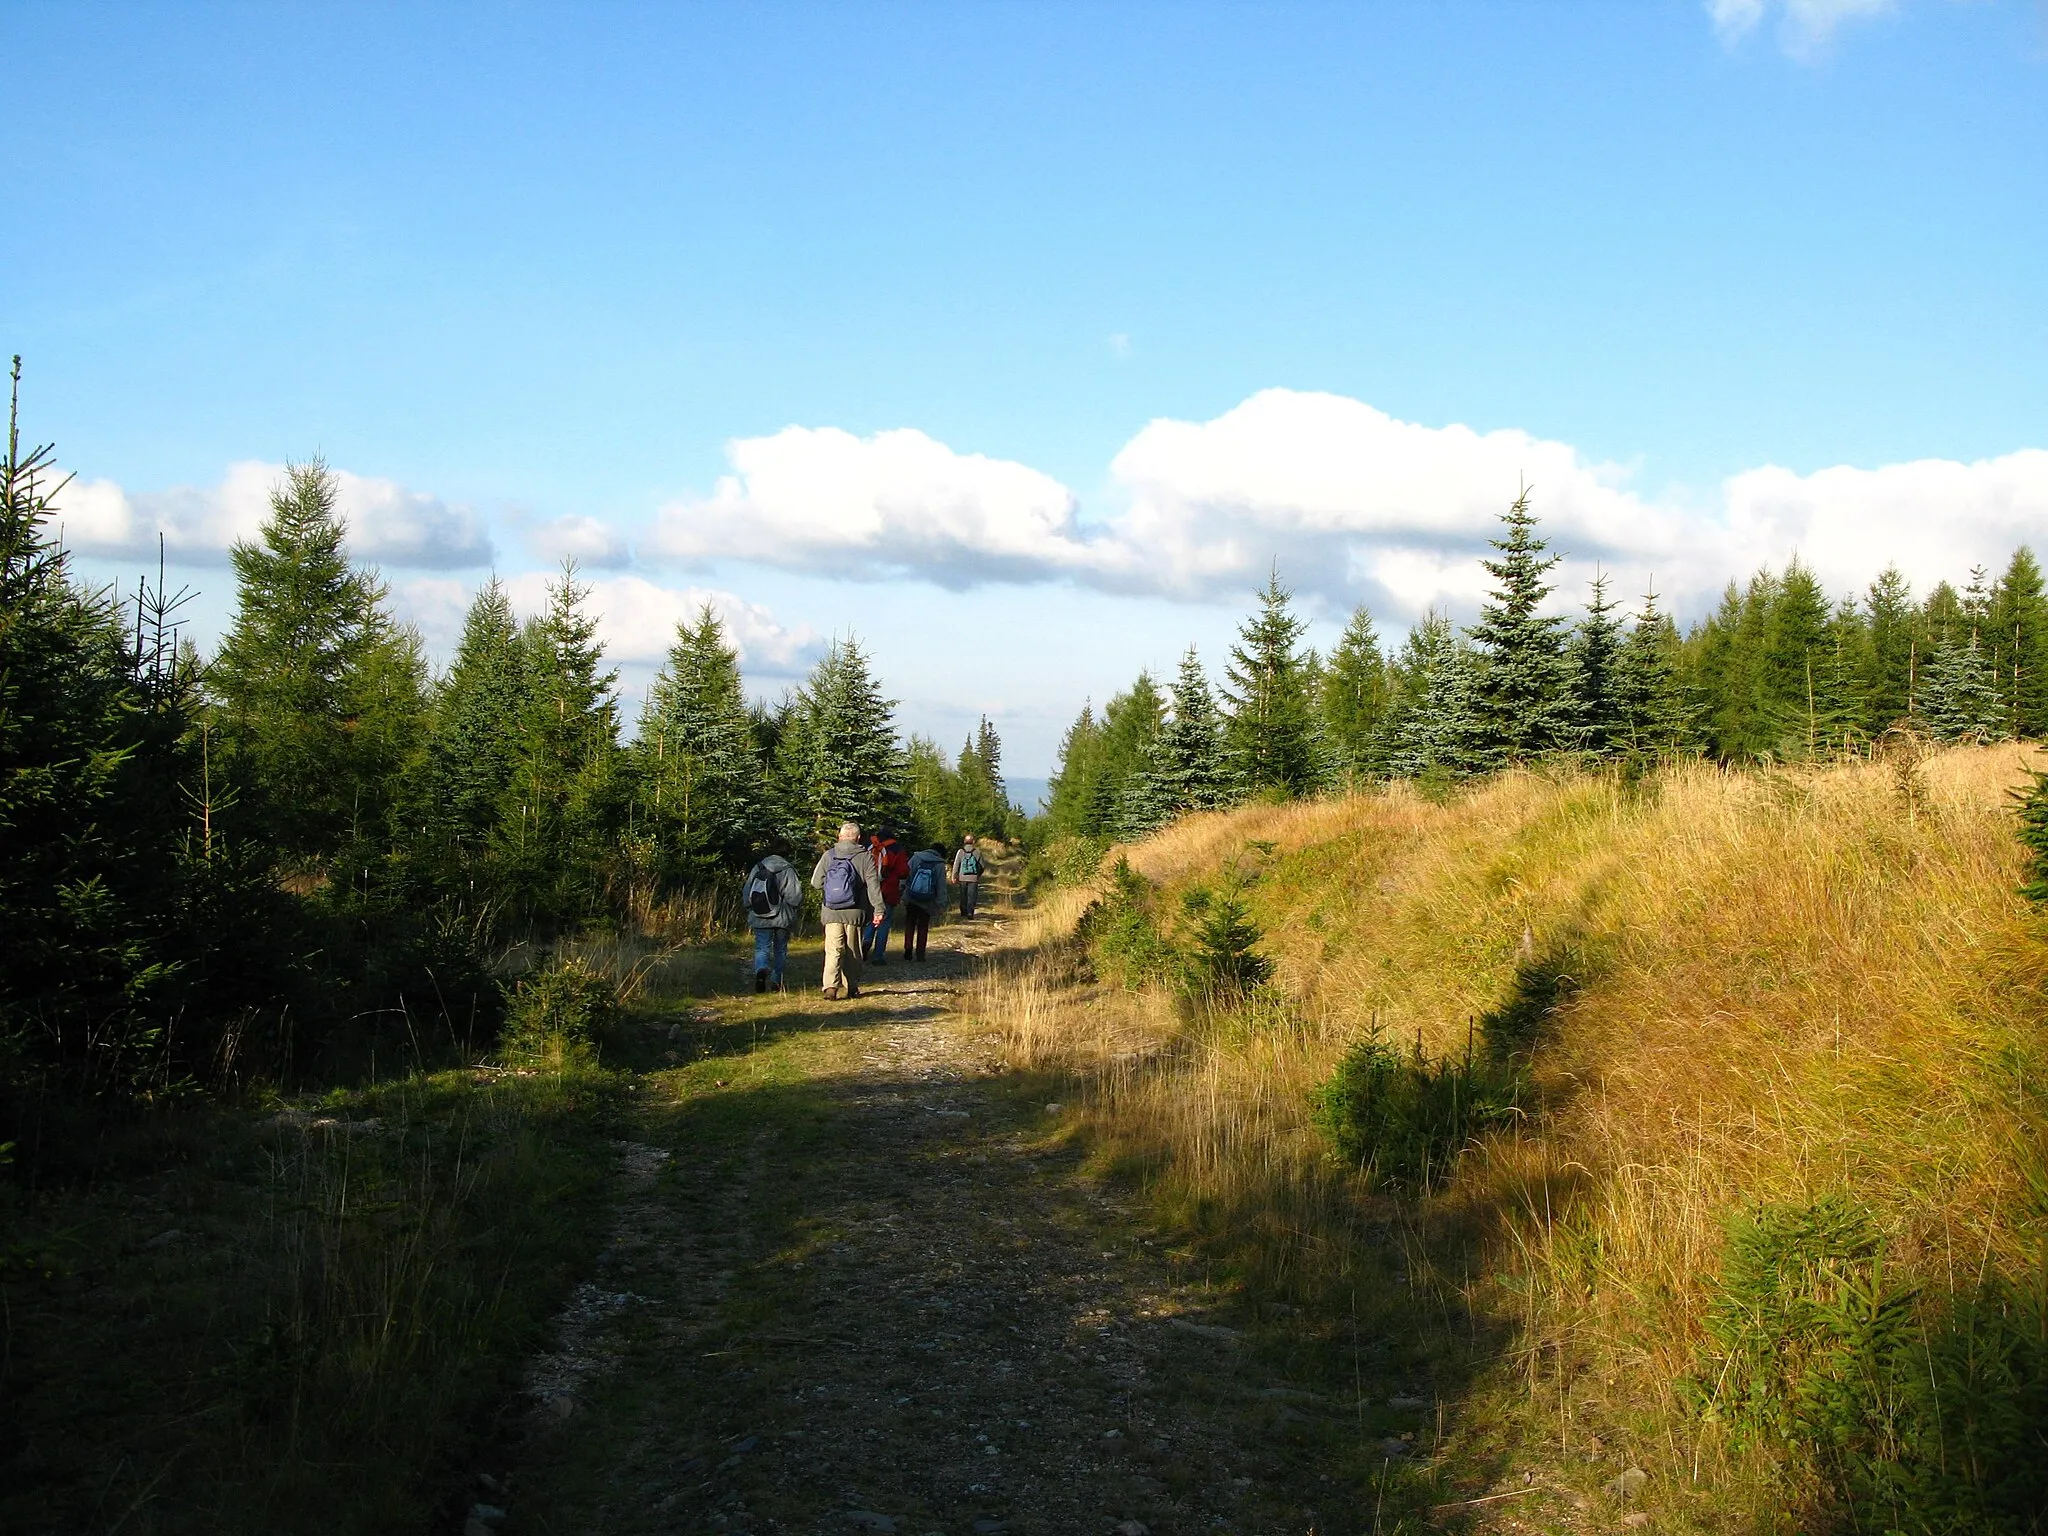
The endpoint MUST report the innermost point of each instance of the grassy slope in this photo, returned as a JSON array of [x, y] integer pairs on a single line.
[[1773, 986]]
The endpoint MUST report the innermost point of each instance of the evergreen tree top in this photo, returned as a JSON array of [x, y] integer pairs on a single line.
[[1509, 620]]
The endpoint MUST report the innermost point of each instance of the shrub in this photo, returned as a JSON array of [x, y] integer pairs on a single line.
[[1922, 1413], [1404, 1118], [564, 1015], [1121, 932], [1070, 861], [1222, 961]]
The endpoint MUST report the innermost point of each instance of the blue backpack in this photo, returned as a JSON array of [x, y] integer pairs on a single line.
[[924, 884], [842, 884]]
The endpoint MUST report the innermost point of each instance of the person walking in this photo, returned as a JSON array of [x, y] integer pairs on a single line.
[[773, 897], [846, 875], [892, 868], [967, 874], [924, 897]]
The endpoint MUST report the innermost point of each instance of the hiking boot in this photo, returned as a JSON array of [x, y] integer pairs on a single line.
[[852, 992], [760, 981], [831, 994]]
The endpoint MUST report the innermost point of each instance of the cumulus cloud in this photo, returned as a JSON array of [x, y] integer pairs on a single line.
[[1805, 27], [637, 619], [1934, 518], [1354, 505], [387, 523], [585, 540], [895, 503]]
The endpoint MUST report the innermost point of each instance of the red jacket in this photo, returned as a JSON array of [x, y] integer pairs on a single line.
[[892, 868]]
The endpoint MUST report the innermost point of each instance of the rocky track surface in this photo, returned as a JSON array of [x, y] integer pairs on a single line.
[[857, 1282]]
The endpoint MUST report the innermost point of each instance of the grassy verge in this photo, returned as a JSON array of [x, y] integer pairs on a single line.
[[1795, 1004]]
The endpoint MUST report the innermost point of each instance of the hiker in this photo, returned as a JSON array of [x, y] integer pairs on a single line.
[[773, 896], [846, 874], [892, 868], [967, 874], [924, 897]]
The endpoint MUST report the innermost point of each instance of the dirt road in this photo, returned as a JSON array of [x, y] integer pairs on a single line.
[[859, 1281]]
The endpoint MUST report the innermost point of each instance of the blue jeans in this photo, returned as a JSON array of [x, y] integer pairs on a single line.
[[878, 935], [771, 950]]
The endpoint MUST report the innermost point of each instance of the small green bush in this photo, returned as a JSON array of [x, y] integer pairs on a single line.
[[565, 1015], [1070, 861], [1404, 1118], [1121, 932], [1923, 1414], [1222, 961]]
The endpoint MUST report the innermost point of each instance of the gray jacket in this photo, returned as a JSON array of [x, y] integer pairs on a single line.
[[863, 866], [960, 858], [787, 884], [918, 861]]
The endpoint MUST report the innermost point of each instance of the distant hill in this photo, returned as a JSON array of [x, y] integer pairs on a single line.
[[1028, 793]]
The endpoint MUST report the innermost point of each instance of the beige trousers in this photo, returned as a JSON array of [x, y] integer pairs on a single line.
[[842, 954]]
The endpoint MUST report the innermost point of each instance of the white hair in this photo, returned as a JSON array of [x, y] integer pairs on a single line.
[[849, 831]]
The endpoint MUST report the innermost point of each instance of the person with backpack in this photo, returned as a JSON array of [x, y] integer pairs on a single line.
[[892, 868], [846, 876], [924, 897], [967, 874], [772, 896]]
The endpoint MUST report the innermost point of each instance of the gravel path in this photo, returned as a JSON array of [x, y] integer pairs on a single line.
[[857, 1282]]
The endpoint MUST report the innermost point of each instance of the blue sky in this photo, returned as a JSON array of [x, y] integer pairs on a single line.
[[1020, 340]]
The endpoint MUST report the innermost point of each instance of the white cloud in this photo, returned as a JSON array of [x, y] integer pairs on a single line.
[[899, 502], [1353, 504], [585, 540], [387, 523], [1934, 518], [637, 619], [1805, 27]]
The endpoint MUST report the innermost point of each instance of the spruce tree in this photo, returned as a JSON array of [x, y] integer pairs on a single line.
[[1355, 696], [92, 753], [839, 759], [1523, 682], [1889, 654], [1186, 769], [937, 813], [698, 777], [477, 722], [1959, 697], [980, 769], [1599, 713], [1433, 726], [1271, 733], [1793, 663], [1941, 619], [1659, 716], [1839, 703], [1129, 723], [564, 806], [316, 691], [2016, 634], [1072, 788]]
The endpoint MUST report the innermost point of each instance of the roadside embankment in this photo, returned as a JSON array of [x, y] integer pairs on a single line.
[[1766, 1050]]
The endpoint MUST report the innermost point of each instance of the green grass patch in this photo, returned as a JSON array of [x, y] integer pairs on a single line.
[[297, 1320]]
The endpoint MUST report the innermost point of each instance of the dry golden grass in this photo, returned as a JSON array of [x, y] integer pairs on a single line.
[[1780, 983]]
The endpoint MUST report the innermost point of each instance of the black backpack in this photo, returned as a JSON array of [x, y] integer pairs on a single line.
[[764, 893]]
